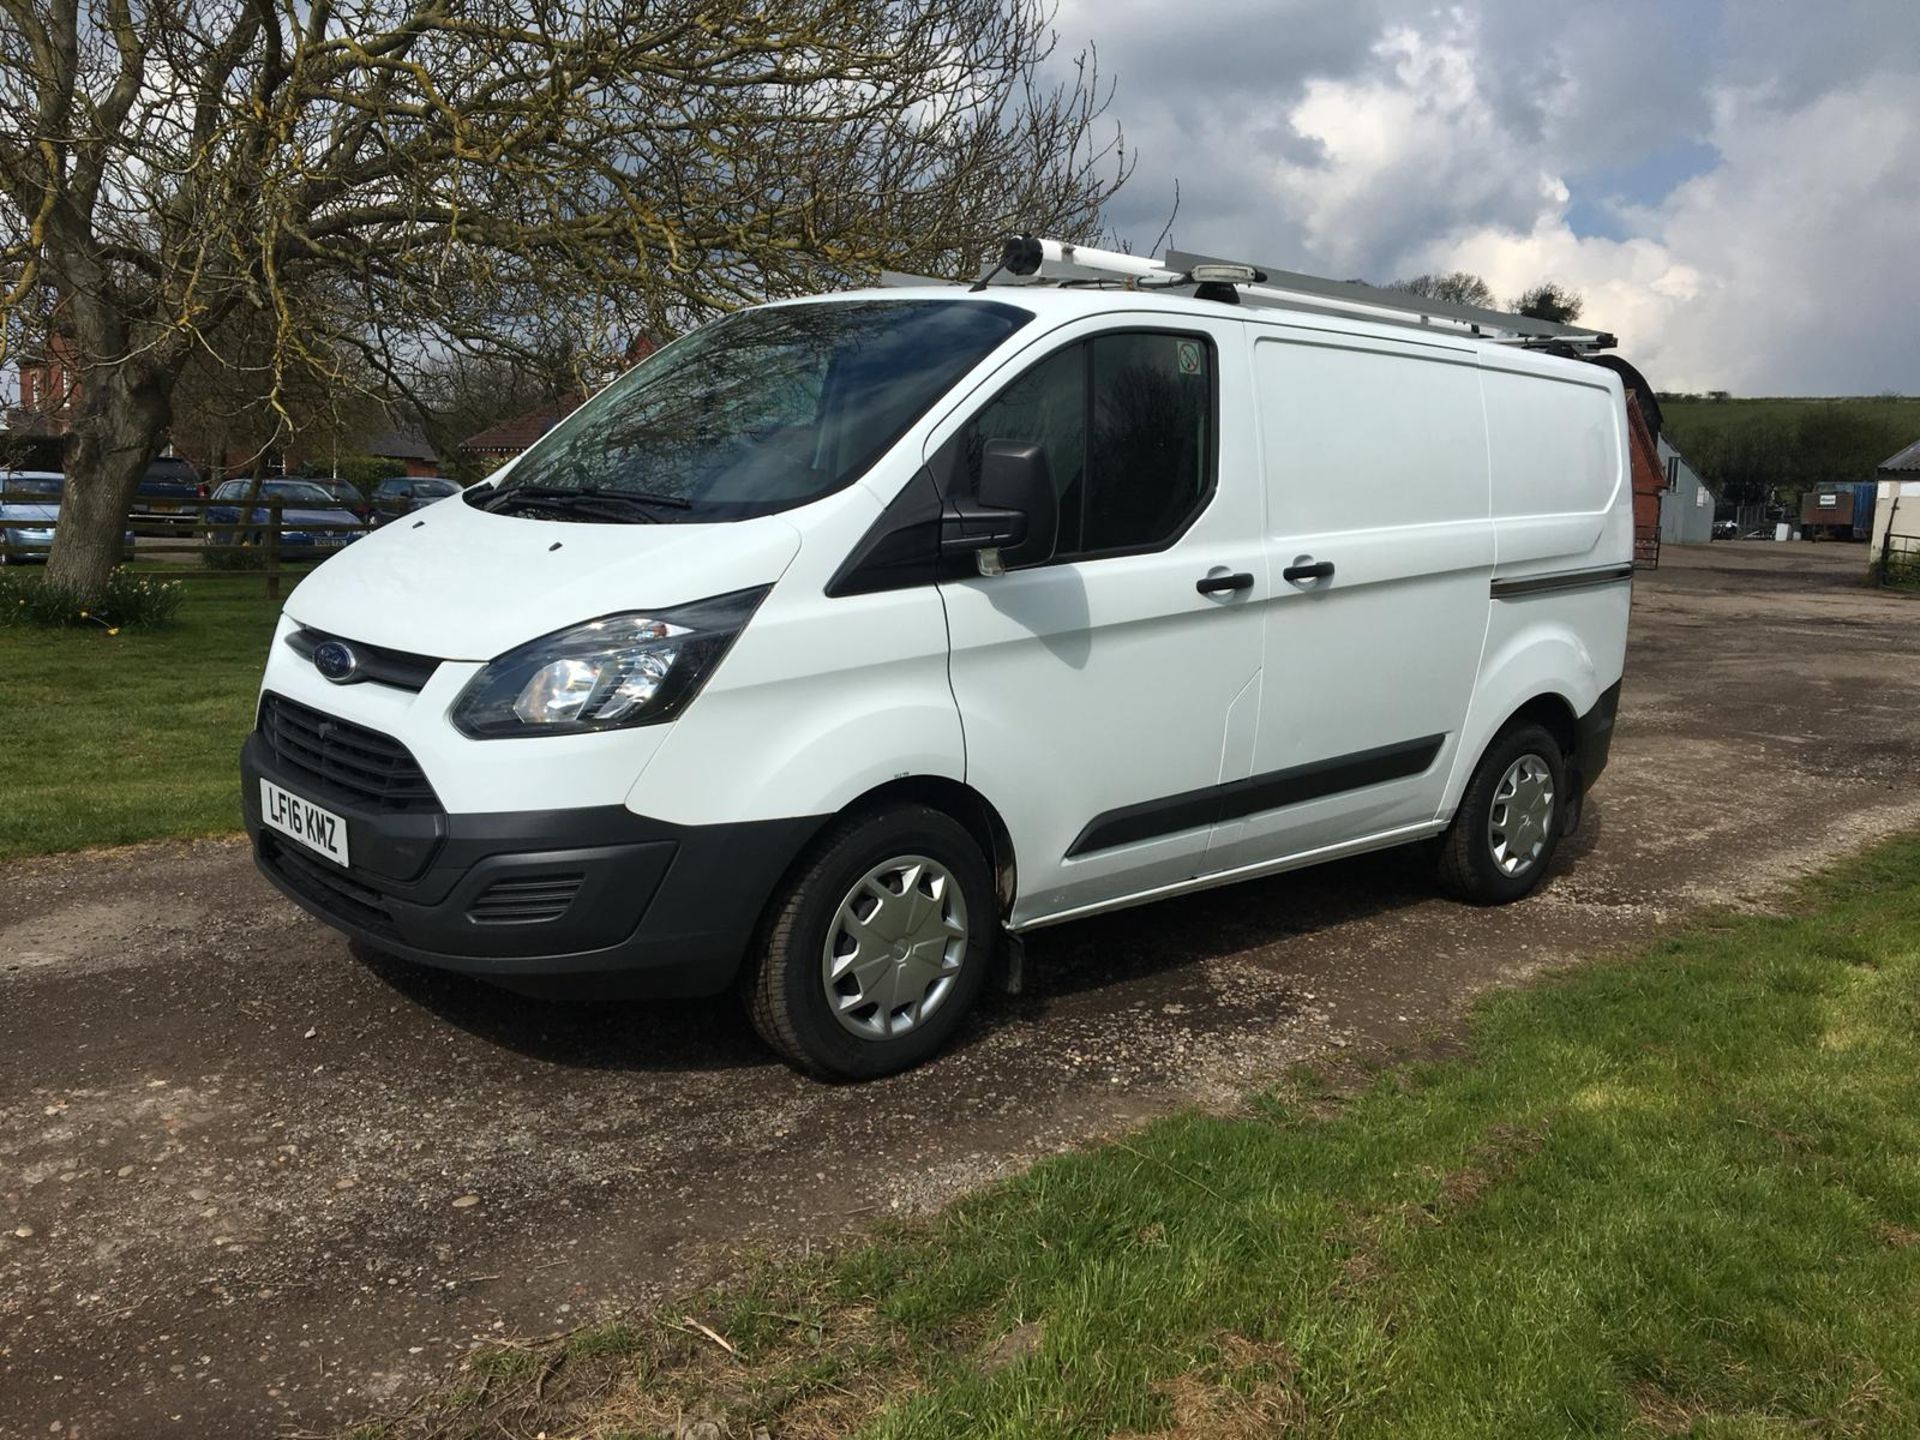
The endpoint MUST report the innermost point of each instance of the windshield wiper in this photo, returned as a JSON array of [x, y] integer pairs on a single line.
[[503, 496], [569, 497]]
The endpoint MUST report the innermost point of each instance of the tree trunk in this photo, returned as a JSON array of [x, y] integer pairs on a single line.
[[115, 436]]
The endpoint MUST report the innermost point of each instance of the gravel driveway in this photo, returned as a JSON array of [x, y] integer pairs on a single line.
[[252, 1182]]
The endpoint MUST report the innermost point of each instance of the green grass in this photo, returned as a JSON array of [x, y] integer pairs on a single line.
[[107, 739], [1673, 1194]]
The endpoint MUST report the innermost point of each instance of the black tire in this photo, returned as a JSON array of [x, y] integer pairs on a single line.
[[785, 984], [1470, 866]]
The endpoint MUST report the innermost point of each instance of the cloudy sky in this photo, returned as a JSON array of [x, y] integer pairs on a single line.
[[1733, 185]]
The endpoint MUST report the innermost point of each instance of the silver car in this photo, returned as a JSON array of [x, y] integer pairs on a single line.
[[27, 520]]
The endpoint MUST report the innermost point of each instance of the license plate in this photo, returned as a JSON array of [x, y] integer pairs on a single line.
[[321, 831]]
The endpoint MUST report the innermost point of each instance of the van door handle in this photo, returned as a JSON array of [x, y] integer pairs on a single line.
[[1308, 569], [1214, 584]]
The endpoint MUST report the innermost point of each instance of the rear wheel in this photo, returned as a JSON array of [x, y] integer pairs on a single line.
[[877, 945], [1503, 836]]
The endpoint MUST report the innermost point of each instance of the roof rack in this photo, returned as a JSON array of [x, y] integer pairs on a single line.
[[1029, 260]]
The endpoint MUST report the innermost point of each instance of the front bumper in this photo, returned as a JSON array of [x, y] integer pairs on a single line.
[[23, 543], [165, 516], [523, 897]]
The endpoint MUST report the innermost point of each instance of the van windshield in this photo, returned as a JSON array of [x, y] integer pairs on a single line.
[[759, 412]]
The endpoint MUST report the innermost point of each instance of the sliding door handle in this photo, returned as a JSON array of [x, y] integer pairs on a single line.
[[1307, 568], [1214, 584]]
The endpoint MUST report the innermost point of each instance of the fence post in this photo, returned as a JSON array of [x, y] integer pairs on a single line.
[[273, 547]]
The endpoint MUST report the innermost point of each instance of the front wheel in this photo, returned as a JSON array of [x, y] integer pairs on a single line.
[[1508, 825], [877, 945]]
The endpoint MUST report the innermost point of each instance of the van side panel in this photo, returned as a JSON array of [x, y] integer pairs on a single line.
[[821, 699], [1563, 532], [1091, 688], [1374, 460]]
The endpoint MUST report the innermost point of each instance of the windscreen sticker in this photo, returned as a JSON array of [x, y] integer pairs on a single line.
[[1187, 355]]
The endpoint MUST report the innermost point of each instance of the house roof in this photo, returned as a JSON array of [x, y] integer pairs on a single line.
[[400, 445], [1907, 459], [522, 430]]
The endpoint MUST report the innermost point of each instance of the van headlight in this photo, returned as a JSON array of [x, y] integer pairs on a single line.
[[620, 670]]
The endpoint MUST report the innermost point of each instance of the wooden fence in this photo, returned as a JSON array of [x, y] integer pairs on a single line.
[[179, 542]]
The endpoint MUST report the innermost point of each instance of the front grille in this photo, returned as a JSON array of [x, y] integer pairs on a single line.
[[527, 900], [356, 762], [334, 890], [399, 668]]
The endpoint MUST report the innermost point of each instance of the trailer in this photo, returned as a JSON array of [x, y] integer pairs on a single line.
[[1838, 512]]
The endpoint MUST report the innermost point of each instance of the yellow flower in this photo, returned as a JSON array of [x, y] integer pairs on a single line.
[[113, 629]]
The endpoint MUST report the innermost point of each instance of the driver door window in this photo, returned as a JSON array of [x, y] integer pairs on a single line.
[[1126, 420]]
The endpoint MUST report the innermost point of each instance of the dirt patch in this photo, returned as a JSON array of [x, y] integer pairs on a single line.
[[236, 1147], [1246, 1394]]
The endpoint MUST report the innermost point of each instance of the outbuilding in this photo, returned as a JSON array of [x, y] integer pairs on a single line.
[[1686, 506], [1896, 511]]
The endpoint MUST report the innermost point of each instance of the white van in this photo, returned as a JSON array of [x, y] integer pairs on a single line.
[[845, 637]]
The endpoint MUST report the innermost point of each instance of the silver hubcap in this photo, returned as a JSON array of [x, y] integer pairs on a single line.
[[1517, 825], [895, 947]]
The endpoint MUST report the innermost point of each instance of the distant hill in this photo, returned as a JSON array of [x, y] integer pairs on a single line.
[[1746, 448]]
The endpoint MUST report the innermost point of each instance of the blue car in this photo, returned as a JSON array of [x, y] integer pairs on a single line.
[[21, 500], [313, 518], [168, 497]]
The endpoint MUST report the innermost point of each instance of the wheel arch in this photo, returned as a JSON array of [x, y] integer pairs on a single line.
[[964, 804], [1550, 710]]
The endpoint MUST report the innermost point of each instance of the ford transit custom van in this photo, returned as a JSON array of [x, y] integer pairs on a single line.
[[845, 638]]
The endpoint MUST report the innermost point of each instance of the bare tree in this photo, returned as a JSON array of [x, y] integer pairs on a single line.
[[456, 175], [238, 398], [457, 395]]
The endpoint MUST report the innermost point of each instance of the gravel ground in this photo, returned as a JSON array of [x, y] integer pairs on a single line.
[[251, 1181]]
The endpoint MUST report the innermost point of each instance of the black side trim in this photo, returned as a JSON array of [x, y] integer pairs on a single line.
[[901, 549], [1257, 793], [1560, 580], [1593, 736], [398, 668]]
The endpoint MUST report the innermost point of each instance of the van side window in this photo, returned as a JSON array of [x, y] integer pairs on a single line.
[[1046, 406], [1152, 410], [1126, 420]]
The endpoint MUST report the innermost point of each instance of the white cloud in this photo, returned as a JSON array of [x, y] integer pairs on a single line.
[[1385, 139], [1788, 268], [1412, 150]]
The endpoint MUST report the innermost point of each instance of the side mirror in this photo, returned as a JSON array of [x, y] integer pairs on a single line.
[[1015, 518]]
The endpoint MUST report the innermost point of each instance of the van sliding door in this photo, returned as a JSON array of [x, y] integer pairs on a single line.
[[1380, 542]]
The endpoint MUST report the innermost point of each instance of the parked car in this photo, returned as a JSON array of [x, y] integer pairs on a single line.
[[404, 494], [942, 617], [345, 493], [1726, 530], [315, 519], [166, 501], [20, 500]]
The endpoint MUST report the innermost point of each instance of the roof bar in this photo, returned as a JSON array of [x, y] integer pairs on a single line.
[[1053, 262], [1354, 292]]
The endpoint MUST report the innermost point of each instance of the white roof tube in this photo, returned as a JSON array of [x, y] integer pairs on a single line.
[[1039, 260], [1064, 260]]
